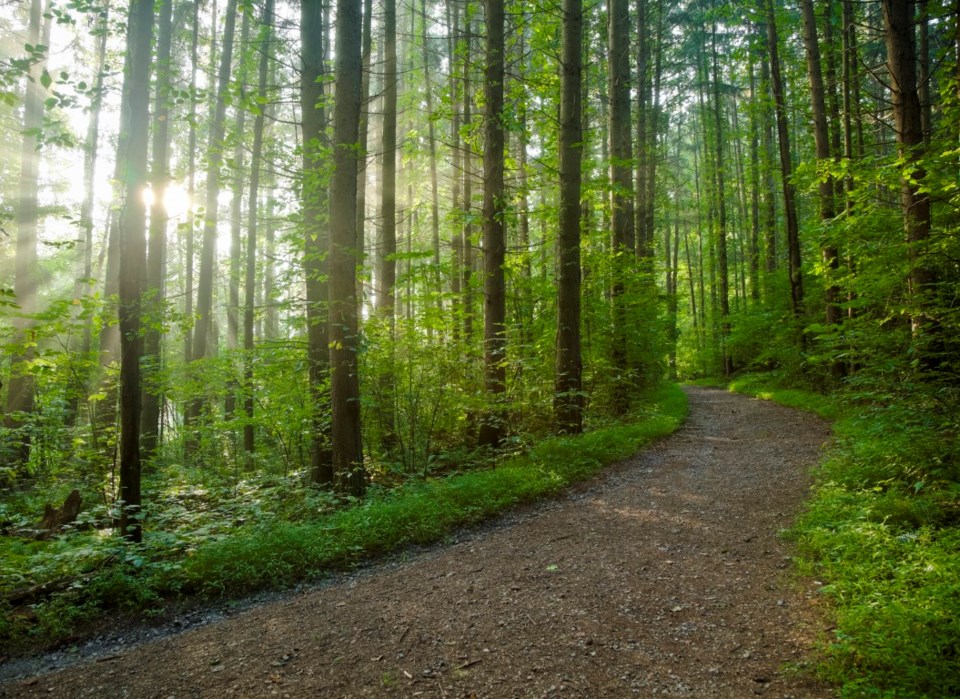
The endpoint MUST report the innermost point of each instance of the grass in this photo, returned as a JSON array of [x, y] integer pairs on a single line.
[[882, 531], [218, 561]]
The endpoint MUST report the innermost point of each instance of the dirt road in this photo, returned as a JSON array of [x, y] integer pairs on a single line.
[[664, 577]]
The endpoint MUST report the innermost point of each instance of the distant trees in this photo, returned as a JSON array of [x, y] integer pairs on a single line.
[[646, 201]]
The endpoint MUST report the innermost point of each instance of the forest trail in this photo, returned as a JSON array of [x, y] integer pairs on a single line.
[[663, 577]]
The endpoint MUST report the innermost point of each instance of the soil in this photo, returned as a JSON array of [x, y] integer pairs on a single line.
[[665, 576]]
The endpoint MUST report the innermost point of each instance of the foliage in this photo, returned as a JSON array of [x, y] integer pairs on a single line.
[[883, 534]]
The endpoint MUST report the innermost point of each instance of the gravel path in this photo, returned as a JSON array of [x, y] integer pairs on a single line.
[[664, 577]]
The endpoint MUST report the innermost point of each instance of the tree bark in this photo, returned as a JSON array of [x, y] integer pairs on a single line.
[[908, 124], [622, 221], [568, 399], [132, 155], [157, 245], [492, 427], [316, 236], [786, 167], [250, 273], [20, 391], [202, 332], [821, 137], [344, 322]]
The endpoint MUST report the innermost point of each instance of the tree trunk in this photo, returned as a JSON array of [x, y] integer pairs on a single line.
[[316, 237], [492, 427], [456, 175], [20, 393], [236, 219], [387, 257], [344, 322], [568, 400], [434, 185], [202, 333], [621, 157], [84, 283], [722, 263], [786, 167], [821, 137], [157, 250], [132, 155], [387, 267], [908, 124], [188, 253], [250, 275]]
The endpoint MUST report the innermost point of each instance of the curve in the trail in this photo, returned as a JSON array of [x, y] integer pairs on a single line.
[[665, 577]]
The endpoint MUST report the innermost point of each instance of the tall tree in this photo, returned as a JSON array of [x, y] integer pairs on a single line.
[[722, 260], [204, 328], [344, 321], [568, 401], [821, 137], [20, 393], [250, 273], [908, 125], [157, 244], [786, 165], [387, 260], [132, 154], [315, 235], [621, 158], [494, 244]]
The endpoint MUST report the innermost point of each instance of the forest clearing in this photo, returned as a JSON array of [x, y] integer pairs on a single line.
[[289, 285]]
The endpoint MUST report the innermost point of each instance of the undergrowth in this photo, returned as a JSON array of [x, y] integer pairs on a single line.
[[882, 531], [225, 545]]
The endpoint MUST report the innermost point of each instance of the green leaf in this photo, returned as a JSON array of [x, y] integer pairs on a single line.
[[46, 80]]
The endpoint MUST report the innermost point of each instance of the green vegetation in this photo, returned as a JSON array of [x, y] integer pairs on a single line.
[[883, 533], [281, 542]]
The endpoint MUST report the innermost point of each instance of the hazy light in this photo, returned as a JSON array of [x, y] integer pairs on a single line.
[[176, 200]]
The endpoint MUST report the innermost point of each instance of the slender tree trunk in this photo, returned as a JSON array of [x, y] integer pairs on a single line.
[[366, 56], [568, 400], [344, 321], [908, 124], [250, 273], [20, 393], [188, 246], [456, 175], [132, 153], [923, 68], [84, 282], [236, 218], [786, 167], [157, 245], [387, 268], [434, 185], [492, 427], [643, 237], [722, 262], [466, 246], [202, 333], [621, 157], [821, 137], [316, 237], [754, 191]]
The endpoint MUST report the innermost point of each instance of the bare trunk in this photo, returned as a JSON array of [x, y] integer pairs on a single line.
[[132, 154], [568, 400], [157, 246], [344, 321], [493, 424]]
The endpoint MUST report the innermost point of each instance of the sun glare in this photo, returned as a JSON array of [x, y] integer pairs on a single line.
[[176, 200]]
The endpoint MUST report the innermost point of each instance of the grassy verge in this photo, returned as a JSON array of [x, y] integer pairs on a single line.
[[882, 531], [279, 552]]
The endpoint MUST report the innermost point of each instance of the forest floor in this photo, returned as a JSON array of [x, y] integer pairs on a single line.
[[665, 576]]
